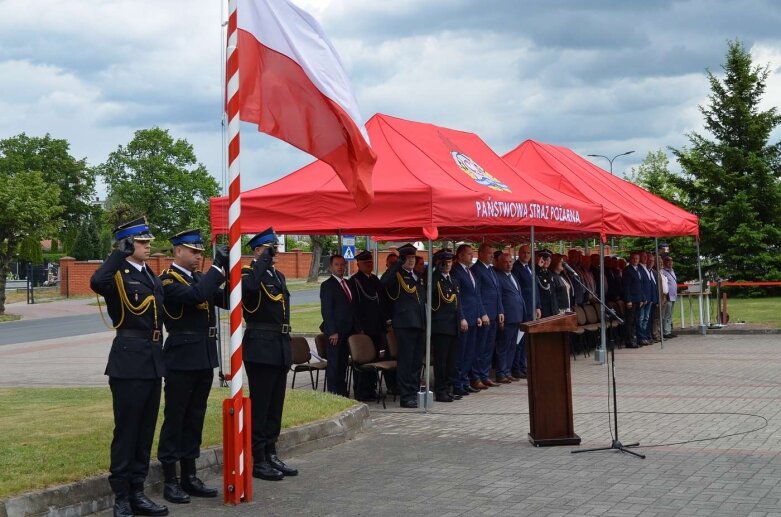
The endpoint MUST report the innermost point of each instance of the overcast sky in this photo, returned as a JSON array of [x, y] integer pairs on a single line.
[[599, 76]]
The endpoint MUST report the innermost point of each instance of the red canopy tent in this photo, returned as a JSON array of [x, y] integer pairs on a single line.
[[429, 182], [628, 209]]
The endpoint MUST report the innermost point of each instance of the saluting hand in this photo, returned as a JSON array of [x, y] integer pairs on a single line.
[[126, 246]]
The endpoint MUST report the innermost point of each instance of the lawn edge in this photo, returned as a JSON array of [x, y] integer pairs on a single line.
[[94, 494]]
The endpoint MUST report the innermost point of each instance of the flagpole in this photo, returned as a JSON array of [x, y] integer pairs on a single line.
[[237, 450]]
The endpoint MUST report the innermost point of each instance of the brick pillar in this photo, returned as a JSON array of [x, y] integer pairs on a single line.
[[65, 266]]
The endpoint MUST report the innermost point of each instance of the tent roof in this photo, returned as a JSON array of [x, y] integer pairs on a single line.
[[628, 209], [429, 182]]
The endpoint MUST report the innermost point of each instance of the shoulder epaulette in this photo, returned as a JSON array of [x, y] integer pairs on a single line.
[[246, 268]]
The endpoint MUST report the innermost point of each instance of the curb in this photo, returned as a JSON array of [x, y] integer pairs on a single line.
[[94, 494], [729, 331]]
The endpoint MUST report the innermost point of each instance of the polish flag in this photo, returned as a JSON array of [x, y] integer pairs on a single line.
[[294, 87]]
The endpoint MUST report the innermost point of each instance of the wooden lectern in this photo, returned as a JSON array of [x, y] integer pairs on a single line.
[[550, 389]]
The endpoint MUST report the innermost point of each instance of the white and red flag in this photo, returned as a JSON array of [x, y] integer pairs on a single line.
[[293, 86]]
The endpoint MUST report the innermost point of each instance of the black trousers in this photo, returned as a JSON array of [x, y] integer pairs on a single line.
[[631, 323], [336, 369], [186, 393], [267, 383], [410, 360], [136, 403], [444, 348]]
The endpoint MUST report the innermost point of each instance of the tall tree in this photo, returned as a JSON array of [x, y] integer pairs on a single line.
[[51, 157], [732, 179], [30, 207], [160, 177]]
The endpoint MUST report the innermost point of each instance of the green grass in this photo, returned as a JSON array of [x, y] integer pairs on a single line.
[[59, 435], [306, 318], [763, 311], [9, 317]]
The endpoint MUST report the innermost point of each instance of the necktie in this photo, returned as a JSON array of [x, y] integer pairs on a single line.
[[346, 290], [148, 274], [514, 282], [472, 278]]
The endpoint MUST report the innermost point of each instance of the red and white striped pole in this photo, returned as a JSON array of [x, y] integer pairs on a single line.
[[237, 450]]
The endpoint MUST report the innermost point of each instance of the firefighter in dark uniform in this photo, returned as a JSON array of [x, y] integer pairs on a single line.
[[447, 320], [405, 289], [190, 353], [134, 301], [544, 281], [267, 353], [371, 313]]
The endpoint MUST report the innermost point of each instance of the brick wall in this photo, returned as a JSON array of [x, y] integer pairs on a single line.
[[75, 275]]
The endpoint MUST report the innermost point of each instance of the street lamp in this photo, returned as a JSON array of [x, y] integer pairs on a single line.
[[610, 159]]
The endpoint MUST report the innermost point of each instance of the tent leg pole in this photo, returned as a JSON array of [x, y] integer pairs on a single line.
[[600, 353], [703, 328], [661, 278], [427, 396], [534, 274]]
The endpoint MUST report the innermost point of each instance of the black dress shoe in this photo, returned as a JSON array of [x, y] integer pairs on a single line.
[[122, 507], [470, 389], [264, 470], [443, 398], [173, 493], [460, 392], [142, 505], [411, 404], [278, 464], [632, 345], [456, 396], [195, 487]]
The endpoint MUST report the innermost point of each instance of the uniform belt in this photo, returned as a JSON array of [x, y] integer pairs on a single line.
[[273, 327], [152, 335], [211, 331]]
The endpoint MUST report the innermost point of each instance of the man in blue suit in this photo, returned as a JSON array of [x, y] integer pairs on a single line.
[[475, 315], [651, 289], [634, 297], [339, 322], [488, 285], [514, 313], [522, 270]]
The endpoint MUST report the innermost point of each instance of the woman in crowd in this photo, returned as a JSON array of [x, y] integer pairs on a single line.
[[561, 288]]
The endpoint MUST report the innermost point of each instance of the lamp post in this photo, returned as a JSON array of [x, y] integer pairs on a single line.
[[610, 160]]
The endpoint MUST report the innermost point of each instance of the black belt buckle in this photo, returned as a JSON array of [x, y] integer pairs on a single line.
[[156, 335], [212, 331], [286, 328]]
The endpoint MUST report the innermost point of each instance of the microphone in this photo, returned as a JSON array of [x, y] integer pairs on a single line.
[[570, 270]]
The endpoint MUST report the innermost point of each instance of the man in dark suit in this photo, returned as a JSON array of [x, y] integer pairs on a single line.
[[447, 321], [522, 270], [405, 289], [338, 310], [475, 316], [488, 285], [267, 353], [190, 352], [633, 297], [372, 318], [134, 301], [651, 309], [514, 314]]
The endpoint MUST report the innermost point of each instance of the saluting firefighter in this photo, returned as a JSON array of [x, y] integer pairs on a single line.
[[408, 294], [267, 352], [447, 321], [134, 300], [190, 353]]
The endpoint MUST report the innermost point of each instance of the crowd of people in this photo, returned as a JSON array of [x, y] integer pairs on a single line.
[[477, 308]]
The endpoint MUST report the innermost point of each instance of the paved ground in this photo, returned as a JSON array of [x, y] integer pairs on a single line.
[[76, 317], [472, 458]]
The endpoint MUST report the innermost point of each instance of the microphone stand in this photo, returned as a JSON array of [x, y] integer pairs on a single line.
[[616, 443]]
